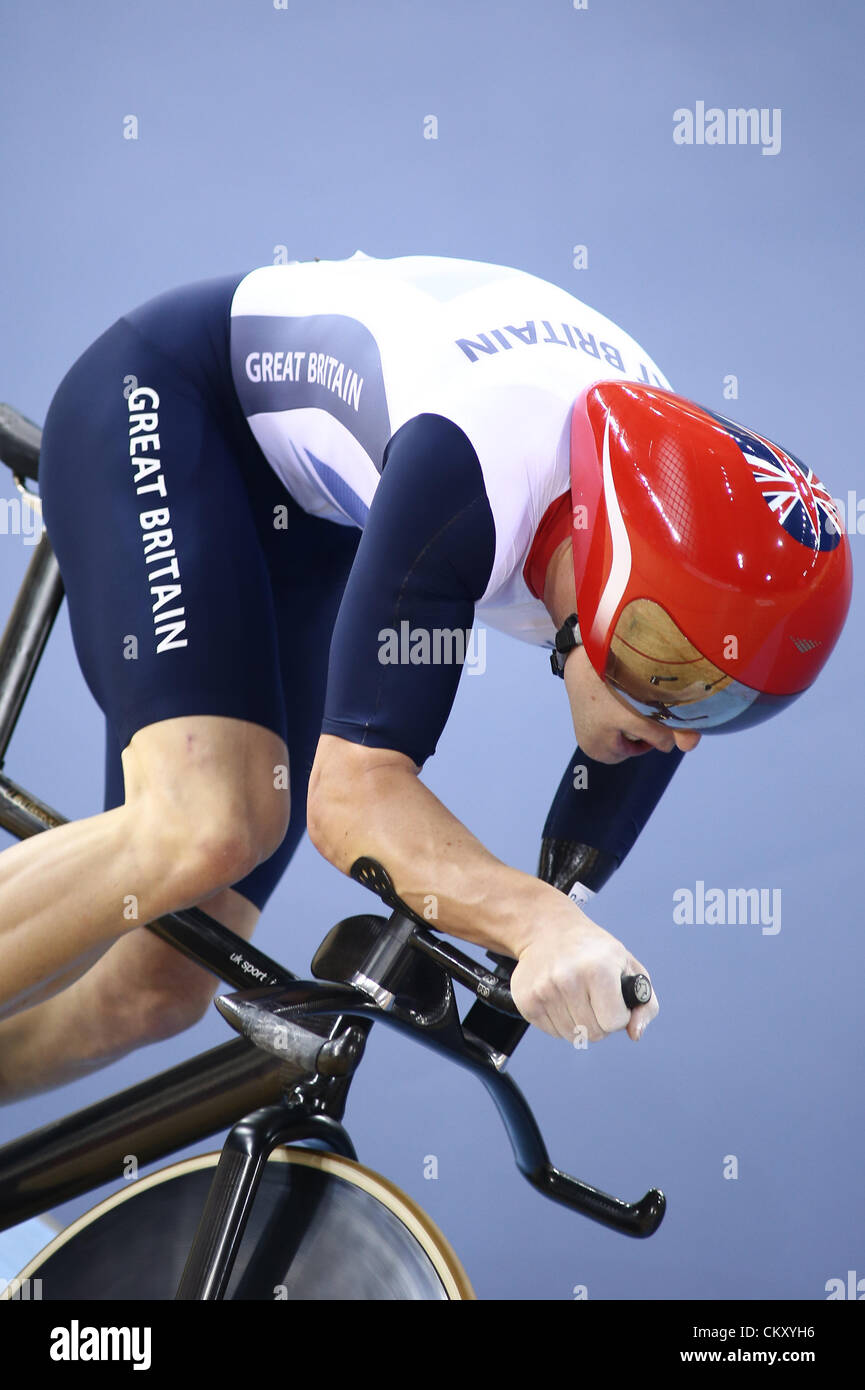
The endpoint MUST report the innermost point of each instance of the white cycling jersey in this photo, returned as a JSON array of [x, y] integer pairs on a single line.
[[330, 358]]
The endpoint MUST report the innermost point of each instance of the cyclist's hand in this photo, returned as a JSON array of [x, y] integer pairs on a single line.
[[568, 982]]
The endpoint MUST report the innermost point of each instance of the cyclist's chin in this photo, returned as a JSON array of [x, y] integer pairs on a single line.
[[633, 747], [611, 746]]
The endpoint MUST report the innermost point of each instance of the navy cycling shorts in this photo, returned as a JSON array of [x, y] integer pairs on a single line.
[[203, 605]]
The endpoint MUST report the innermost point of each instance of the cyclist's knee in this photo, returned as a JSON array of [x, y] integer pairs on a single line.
[[235, 836], [205, 815], [210, 837], [205, 851], [220, 852], [162, 1014], [143, 990], [157, 1007]]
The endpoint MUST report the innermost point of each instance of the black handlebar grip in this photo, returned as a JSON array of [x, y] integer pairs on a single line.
[[636, 990]]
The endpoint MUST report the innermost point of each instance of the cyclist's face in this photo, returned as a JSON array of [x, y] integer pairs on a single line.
[[607, 728]]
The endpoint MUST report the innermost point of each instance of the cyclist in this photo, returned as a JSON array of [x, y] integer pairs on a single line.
[[278, 501]]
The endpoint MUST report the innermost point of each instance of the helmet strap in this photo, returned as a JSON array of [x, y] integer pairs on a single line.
[[567, 639]]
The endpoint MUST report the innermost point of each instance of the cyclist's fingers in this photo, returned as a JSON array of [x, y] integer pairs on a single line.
[[596, 994], [609, 1005], [534, 1011], [575, 1017], [556, 1015], [643, 1013]]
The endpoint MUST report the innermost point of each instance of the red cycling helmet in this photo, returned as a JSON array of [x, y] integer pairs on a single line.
[[712, 568]]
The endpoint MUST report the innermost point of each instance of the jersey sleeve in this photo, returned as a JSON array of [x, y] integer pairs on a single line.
[[597, 814], [401, 636]]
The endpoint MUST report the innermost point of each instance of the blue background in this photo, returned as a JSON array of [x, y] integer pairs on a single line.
[[303, 127]]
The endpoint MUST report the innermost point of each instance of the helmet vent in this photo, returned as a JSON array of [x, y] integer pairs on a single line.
[[672, 487]]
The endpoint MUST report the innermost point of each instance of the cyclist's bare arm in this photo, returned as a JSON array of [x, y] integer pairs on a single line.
[[424, 562], [370, 802]]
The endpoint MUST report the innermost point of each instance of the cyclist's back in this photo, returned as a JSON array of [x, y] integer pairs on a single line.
[[330, 359]]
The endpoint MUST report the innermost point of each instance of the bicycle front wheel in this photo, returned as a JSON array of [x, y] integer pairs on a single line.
[[322, 1227]]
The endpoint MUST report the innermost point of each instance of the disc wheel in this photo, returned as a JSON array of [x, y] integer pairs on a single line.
[[322, 1227]]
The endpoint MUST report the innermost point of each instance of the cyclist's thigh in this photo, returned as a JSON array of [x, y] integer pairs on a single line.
[[308, 562], [271, 576]]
